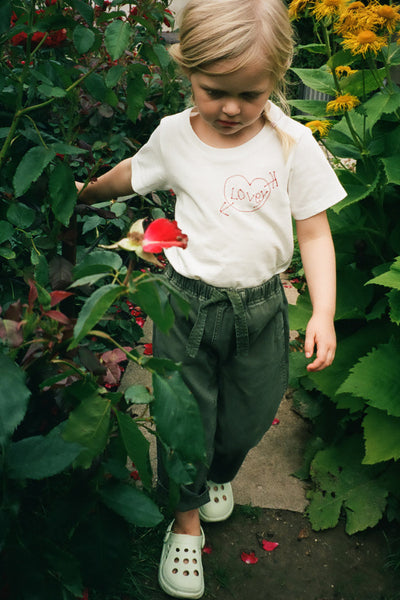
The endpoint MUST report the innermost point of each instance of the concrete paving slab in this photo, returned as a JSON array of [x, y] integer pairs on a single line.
[[266, 478]]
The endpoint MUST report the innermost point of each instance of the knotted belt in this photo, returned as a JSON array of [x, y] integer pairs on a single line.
[[241, 328]]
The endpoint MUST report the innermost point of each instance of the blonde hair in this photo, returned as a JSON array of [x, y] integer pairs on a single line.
[[241, 32]]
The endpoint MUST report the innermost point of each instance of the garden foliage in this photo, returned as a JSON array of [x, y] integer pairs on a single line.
[[81, 87], [354, 405]]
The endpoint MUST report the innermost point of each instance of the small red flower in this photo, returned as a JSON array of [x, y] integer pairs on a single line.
[[148, 349], [134, 475], [269, 546], [249, 558], [140, 321]]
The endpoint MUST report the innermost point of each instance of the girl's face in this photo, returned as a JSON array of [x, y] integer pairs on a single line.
[[230, 105]]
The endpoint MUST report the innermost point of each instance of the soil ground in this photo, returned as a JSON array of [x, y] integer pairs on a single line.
[[307, 565]]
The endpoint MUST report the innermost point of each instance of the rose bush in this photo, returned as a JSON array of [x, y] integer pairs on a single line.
[[353, 457], [81, 87]]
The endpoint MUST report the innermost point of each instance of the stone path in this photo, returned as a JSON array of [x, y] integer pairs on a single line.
[[266, 478]]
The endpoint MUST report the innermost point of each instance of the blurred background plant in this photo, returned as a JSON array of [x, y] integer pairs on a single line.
[[82, 86], [353, 456]]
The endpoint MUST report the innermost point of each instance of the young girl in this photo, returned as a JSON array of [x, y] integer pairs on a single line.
[[241, 169]]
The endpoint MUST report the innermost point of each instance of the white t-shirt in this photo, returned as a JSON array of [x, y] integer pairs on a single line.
[[236, 204]]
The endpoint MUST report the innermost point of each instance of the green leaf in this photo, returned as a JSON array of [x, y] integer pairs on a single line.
[[163, 57], [117, 38], [394, 303], [313, 48], [177, 417], [392, 169], [313, 108], [83, 38], [114, 75], [357, 189], [382, 437], [342, 482], [89, 425], [363, 82], [66, 566], [131, 504], [300, 313], [380, 103], [21, 215], [6, 231], [150, 296], [51, 91], [93, 310], [84, 9], [353, 297], [99, 261], [14, 396], [320, 80], [136, 446], [31, 167], [41, 456], [5, 16], [138, 394], [349, 350], [96, 87], [375, 377], [389, 278], [62, 192], [136, 94]]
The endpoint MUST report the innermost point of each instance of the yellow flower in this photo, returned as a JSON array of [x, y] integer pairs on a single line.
[[344, 70], [353, 17], [387, 16], [321, 127], [297, 7], [342, 103], [327, 8], [363, 42]]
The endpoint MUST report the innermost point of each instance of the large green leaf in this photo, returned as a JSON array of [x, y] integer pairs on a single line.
[[392, 169], [136, 93], [177, 417], [349, 350], [382, 437], [356, 187], [138, 394], [320, 80], [375, 378], [151, 297], [343, 483], [389, 278], [313, 108], [6, 231], [89, 426], [84, 9], [31, 167], [14, 396], [83, 38], [363, 82], [62, 192], [21, 215], [131, 504], [394, 303], [379, 104], [5, 16], [116, 38], [98, 262], [353, 296], [136, 446], [93, 310], [41, 456]]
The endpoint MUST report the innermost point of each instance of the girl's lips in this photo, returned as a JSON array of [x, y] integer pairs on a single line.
[[227, 123]]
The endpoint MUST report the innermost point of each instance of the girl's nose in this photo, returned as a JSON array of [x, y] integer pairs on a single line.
[[231, 107]]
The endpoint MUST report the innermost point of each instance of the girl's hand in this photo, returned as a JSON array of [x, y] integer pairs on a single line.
[[320, 334]]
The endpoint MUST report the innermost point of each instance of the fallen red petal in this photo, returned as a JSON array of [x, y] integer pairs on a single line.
[[249, 558], [269, 546], [207, 550], [275, 422], [148, 349]]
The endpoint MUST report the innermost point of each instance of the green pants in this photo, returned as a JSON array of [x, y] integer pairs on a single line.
[[233, 347]]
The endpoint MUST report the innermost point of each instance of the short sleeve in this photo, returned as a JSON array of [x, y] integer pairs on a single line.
[[148, 168], [313, 185]]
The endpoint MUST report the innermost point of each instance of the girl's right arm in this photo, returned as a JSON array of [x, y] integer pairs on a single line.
[[114, 183]]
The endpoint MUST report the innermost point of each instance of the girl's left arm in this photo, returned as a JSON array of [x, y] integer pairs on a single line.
[[318, 256]]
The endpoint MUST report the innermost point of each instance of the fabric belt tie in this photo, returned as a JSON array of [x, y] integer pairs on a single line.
[[241, 328]]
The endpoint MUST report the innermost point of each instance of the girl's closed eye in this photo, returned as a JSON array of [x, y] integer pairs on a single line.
[[213, 93]]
